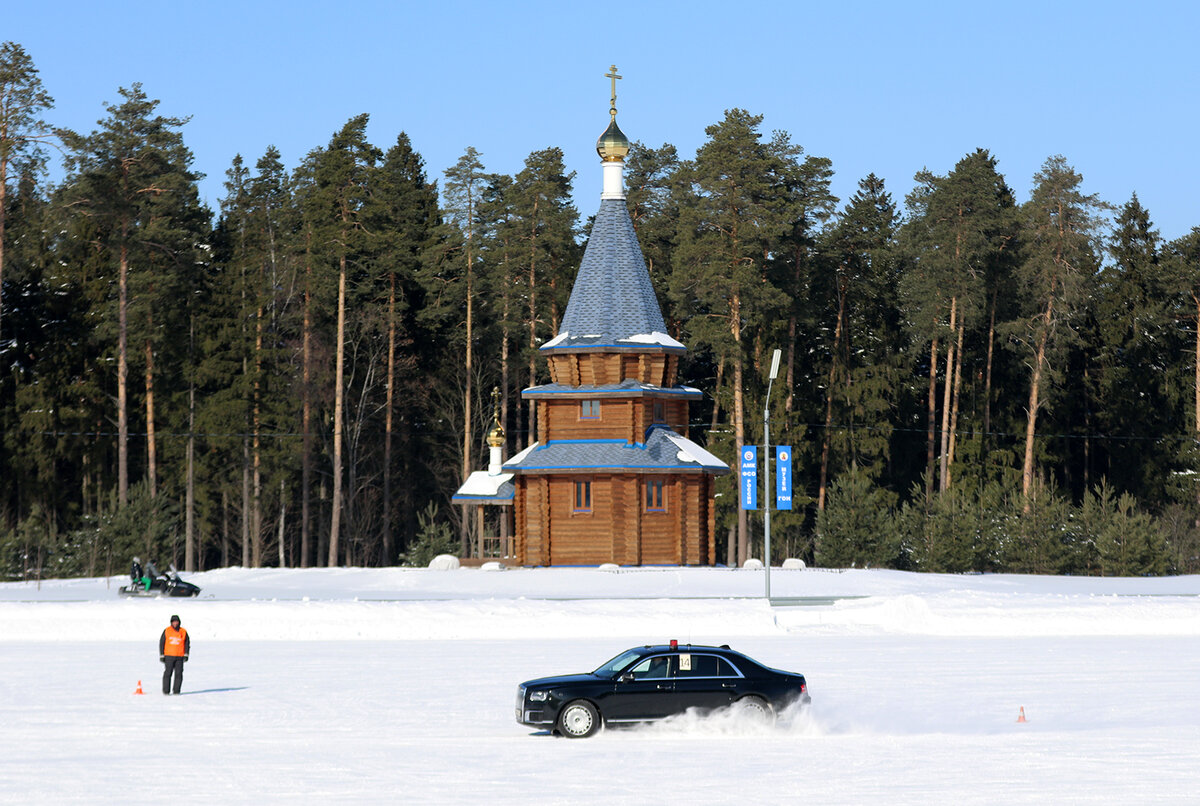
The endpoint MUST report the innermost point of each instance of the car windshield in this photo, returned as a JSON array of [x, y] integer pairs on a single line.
[[618, 664]]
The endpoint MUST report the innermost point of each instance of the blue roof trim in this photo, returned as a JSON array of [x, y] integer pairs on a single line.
[[624, 389], [572, 344]]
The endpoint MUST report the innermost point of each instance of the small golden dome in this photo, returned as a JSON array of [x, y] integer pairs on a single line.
[[495, 437], [613, 145]]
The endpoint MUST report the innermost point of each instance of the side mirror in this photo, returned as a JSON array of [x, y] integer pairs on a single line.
[[627, 677]]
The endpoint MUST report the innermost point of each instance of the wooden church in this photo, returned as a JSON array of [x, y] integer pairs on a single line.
[[612, 476]]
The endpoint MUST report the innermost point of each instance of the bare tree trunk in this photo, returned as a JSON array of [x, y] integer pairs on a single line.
[[716, 400], [306, 419], [468, 392], [987, 381], [224, 528], [943, 464], [123, 372], [256, 517], [826, 439], [151, 442], [189, 542], [958, 362], [1032, 410], [3, 209], [739, 420], [245, 502], [1196, 299], [339, 394], [388, 414], [282, 513], [931, 437]]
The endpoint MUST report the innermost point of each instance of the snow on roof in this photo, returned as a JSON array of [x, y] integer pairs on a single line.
[[653, 338], [691, 452], [482, 484], [520, 457]]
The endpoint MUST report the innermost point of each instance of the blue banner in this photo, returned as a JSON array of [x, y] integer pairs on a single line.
[[749, 468], [783, 477]]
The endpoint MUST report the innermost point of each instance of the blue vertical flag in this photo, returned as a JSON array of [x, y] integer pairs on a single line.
[[783, 477], [749, 467]]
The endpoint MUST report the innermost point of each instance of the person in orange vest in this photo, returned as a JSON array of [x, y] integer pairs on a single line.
[[174, 646]]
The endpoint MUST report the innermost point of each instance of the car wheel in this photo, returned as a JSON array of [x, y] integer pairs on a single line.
[[578, 719], [757, 709]]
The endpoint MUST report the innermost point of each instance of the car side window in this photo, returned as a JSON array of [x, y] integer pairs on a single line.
[[725, 669], [698, 666], [652, 668]]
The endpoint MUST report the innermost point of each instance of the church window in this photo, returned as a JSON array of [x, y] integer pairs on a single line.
[[583, 496], [589, 410], [660, 411], [654, 495]]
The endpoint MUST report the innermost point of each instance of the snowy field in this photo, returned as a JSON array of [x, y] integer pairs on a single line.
[[393, 685]]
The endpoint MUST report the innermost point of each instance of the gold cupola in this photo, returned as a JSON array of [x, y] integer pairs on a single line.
[[495, 435], [613, 145]]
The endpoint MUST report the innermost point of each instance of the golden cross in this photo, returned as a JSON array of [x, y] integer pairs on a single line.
[[613, 75]]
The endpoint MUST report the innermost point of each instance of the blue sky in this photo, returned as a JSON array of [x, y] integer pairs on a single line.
[[888, 88]]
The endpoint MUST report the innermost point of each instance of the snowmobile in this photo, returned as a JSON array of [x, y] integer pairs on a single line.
[[168, 584]]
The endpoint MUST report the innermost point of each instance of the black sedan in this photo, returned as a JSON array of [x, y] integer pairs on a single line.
[[647, 683]]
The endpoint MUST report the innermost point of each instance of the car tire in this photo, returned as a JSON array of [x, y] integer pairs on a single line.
[[578, 719], [757, 709]]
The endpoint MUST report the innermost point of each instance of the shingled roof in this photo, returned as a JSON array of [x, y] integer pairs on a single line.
[[612, 302], [662, 450]]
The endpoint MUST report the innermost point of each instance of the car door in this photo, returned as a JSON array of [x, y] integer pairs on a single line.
[[704, 681], [643, 692]]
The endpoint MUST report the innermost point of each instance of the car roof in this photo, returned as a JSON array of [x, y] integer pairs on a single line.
[[650, 648]]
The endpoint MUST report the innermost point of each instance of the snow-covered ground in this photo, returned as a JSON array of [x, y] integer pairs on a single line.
[[386, 685]]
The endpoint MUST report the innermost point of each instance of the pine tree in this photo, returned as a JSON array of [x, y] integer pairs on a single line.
[[545, 223], [1060, 257], [462, 192], [860, 285], [959, 225], [406, 221], [133, 177], [1133, 361], [734, 211], [335, 210], [23, 100]]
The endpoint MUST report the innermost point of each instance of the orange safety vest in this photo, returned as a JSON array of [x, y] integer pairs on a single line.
[[175, 641]]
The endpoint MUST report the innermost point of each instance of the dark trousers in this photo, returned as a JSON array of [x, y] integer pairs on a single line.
[[172, 665]]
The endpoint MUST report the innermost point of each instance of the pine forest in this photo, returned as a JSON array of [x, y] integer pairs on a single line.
[[303, 377]]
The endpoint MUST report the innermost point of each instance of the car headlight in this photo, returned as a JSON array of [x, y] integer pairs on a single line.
[[538, 696]]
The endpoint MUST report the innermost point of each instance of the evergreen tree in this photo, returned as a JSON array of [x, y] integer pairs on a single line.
[[23, 101], [860, 284], [407, 222], [545, 223], [133, 178], [959, 225], [462, 192], [734, 211], [334, 209], [1061, 225], [1133, 364], [858, 528], [650, 179]]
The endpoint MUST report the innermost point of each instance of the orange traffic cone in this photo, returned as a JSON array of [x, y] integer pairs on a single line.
[[139, 688], [1020, 718]]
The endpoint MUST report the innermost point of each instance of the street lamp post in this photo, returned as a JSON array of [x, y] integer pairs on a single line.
[[767, 468]]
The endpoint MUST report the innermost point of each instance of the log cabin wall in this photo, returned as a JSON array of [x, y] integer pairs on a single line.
[[580, 538]]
